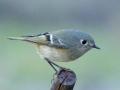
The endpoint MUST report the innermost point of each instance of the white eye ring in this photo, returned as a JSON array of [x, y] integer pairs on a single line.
[[83, 42]]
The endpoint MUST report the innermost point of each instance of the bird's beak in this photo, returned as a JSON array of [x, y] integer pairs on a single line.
[[94, 46]]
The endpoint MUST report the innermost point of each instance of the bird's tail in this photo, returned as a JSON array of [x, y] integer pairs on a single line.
[[22, 39], [38, 39], [15, 38]]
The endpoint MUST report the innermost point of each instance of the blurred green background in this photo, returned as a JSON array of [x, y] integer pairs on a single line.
[[21, 68]]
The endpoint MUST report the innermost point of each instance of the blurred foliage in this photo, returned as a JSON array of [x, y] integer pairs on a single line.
[[21, 68]]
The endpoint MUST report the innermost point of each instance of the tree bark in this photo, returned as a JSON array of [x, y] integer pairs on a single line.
[[64, 80]]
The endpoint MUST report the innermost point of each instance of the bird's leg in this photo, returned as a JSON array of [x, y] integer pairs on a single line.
[[52, 66], [52, 63], [61, 68]]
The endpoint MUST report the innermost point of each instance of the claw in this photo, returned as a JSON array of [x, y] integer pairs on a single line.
[[66, 69]]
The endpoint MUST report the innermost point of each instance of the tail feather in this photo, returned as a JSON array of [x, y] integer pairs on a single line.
[[30, 40], [40, 39], [14, 38]]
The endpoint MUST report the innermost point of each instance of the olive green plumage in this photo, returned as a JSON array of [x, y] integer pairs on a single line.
[[62, 45]]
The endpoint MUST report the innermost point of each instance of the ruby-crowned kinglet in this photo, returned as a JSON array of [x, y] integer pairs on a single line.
[[62, 45]]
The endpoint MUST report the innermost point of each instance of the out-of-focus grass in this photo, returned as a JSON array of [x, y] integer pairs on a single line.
[[22, 68]]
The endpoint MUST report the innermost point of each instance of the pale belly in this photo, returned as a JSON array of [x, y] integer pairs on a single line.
[[53, 54]]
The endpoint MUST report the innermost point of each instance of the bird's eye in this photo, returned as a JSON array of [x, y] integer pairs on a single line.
[[84, 42]]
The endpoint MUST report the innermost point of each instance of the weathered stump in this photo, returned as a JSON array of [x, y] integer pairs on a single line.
[[64, 80]]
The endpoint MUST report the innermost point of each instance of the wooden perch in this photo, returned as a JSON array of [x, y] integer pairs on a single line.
[[65, 80]]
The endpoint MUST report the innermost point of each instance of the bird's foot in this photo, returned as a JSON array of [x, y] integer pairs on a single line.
[[63, 69]]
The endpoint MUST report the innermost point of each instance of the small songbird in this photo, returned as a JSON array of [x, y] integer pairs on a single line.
[[62, 45]]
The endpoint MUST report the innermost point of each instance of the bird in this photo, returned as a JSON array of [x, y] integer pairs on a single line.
[[61, 45]]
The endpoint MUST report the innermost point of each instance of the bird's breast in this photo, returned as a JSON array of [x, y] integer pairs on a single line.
[[54, 54]]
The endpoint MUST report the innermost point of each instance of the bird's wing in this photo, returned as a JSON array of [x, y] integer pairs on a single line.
[[46, 39]]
